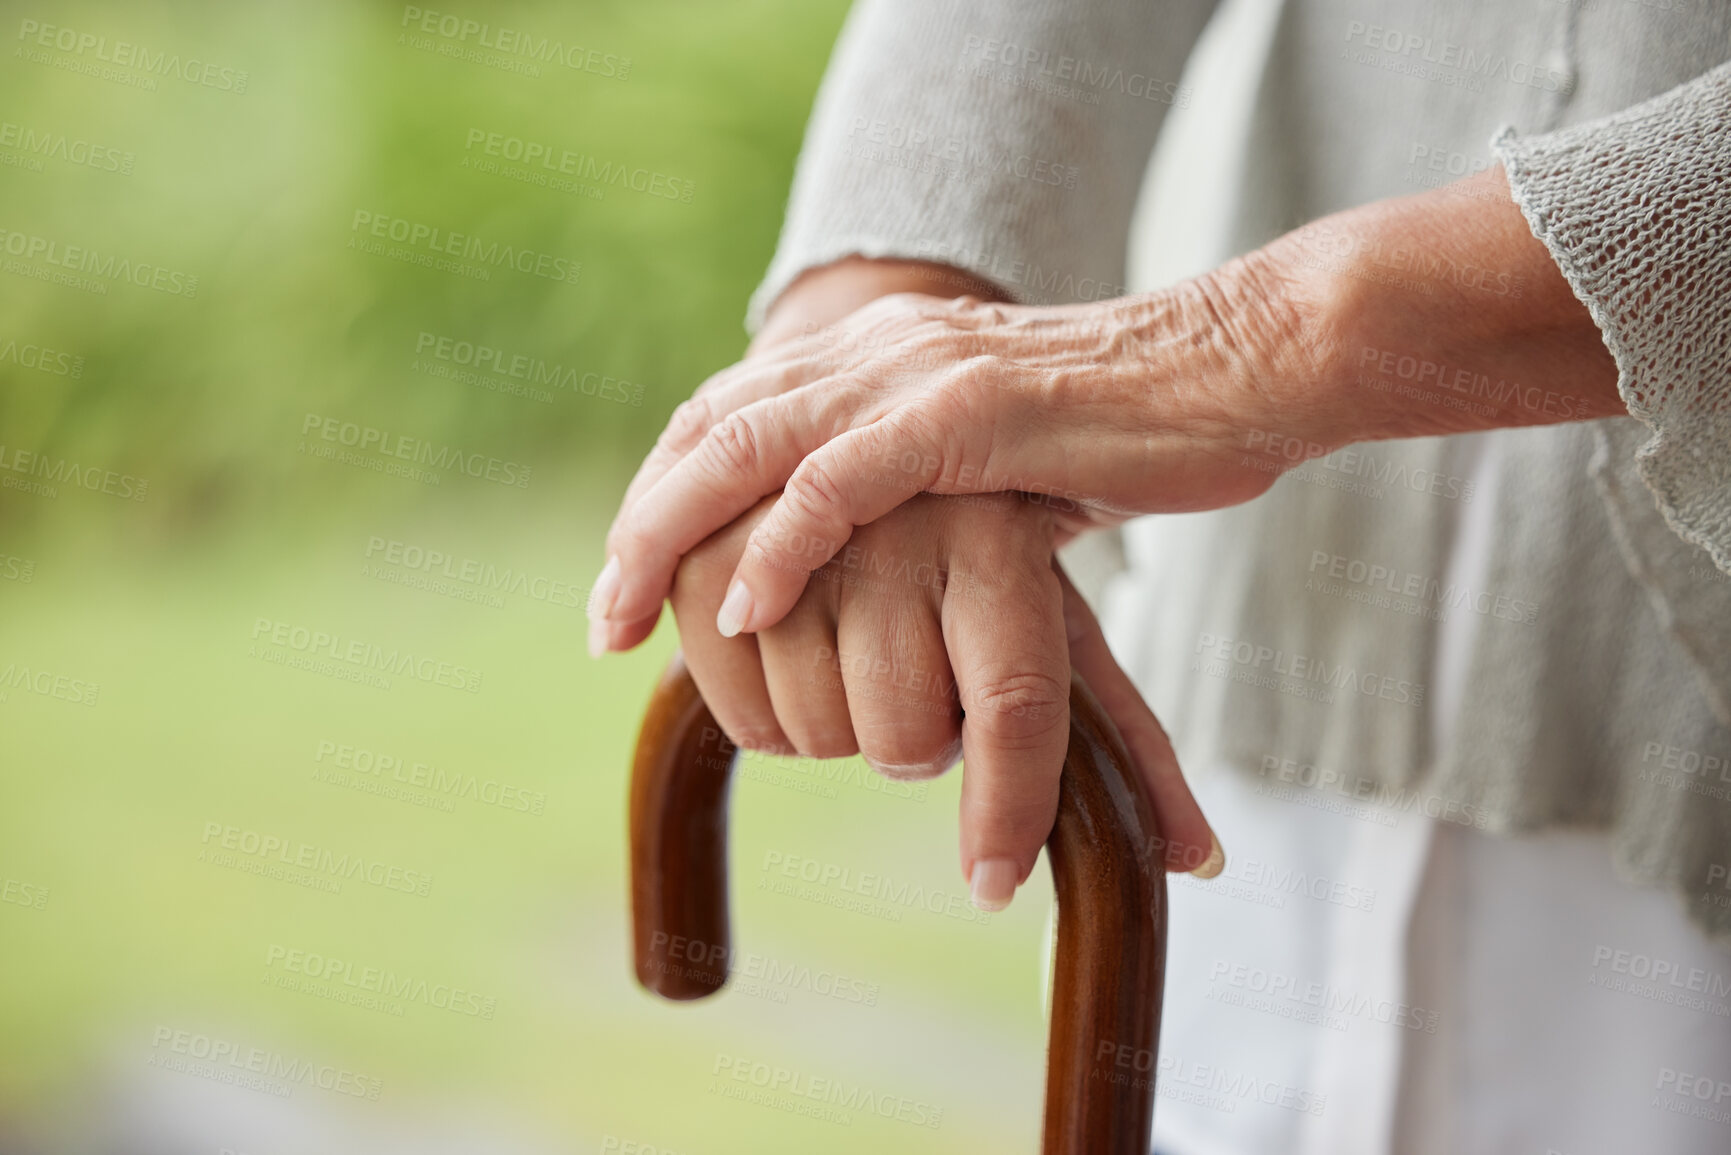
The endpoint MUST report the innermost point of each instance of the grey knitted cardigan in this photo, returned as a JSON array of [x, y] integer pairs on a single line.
[[1011, 138]]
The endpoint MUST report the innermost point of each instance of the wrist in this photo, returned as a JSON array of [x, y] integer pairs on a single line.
[[1279, 353], [1444, 314]]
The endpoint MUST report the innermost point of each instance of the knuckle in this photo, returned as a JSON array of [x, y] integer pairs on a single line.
[[905, 757], [929, 426], [1024, 706], [731, 447], [819, 741], [905, 304], [902, 733], [689, 422], [972, 387], [814, 490], [759, 737]]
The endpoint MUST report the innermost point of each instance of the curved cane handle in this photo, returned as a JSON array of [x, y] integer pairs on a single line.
[[1106, 869]]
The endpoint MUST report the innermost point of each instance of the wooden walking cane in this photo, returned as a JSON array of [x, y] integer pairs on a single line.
[[1106, 869]]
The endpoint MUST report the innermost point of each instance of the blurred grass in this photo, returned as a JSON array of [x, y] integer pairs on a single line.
[[156, 600], [255, 194]]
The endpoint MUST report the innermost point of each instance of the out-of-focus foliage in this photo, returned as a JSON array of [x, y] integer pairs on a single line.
[[346, 110], [146, 696]]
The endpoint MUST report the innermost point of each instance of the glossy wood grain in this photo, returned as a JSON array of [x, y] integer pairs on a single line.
[[679, 787], [1109, 964]]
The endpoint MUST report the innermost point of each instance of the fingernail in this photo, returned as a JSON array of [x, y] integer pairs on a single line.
[[1215, 862], [605, 593], [994, 883], [735, 611], [598, 637]]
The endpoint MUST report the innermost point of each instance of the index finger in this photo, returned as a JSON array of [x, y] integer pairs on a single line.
[[787, 367], [732, 388], [749, 454]]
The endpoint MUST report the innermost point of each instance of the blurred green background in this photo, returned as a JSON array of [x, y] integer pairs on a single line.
[[165, 505]]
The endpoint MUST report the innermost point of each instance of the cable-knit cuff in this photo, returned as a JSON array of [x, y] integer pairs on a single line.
[[1635, 211]]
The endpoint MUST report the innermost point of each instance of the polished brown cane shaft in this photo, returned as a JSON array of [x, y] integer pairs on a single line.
[[679, 781], [1106, 870]]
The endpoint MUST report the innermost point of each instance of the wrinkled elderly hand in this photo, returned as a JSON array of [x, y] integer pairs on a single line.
[[1141, 404], [918, 394], [901, 649]]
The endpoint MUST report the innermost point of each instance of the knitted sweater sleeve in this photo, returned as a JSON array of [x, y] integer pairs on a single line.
[[1006, 137], [1636, 210]]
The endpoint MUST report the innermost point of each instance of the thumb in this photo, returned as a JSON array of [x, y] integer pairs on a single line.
[[1187, 842]]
